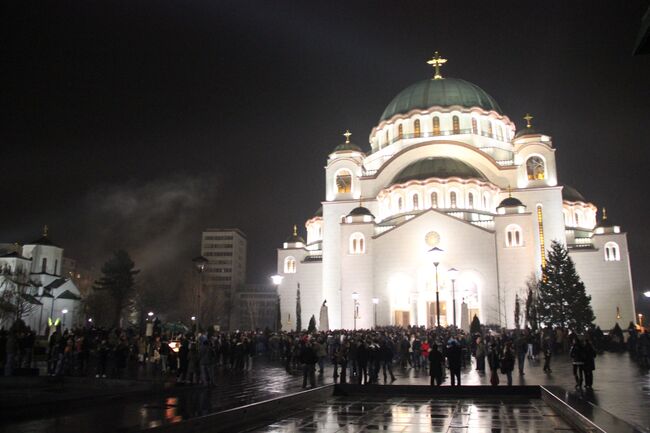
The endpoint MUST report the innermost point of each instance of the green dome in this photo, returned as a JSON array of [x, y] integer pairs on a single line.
[[440, 167], [444, 93]]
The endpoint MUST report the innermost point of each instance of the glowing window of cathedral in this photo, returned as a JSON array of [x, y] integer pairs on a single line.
[[456, 124], [290, 265], [485, 202], [44, 265], [535, 168], [567, 218], [578, 217], [416, 201], [434, 199], [470, 200], [387, 139], [416, 127], [357, 243], [343, 182], [400, 131], [499, 133], [612, 252], [489, 131], [474, 126], [514, 237], [452, 199], [436, 125], [400, 204]]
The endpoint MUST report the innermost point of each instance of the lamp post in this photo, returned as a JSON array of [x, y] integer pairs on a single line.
[[355, 298], [277, 280], [375, 301], [453, 275], [640, 320], [647, 294], [436, 253], [64, 312], [200, 263]]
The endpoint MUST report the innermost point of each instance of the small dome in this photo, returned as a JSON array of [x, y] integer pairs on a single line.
[[318, 213], [347, 147], [295, 238], [604, 221], [443, 93], [440, 167], [510, 202], [571, 194], [360, 211], [527, 131]]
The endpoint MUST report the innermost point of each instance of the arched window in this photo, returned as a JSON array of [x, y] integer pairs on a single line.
[[567, 218], [456, 124], [452, 199], [290, 265], [416, 201], [357, 243], [485, 202], [470, 200], [344, 182], [612, 252], [387, 139], [578, 218], [56, 266], [434, 199], [499, 133], [474, 126], [436, 125], [400, 204], [514, 237], [416, 127], [44, 265], [535, 168], [489, 131], [400, 131]]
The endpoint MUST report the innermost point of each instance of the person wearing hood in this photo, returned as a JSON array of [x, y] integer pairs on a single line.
[[454, 357], [436, 363]]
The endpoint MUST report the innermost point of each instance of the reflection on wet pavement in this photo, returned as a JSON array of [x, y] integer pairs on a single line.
[[346, 414]]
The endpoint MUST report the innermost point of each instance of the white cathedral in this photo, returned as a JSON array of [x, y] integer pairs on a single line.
[[448, 215]]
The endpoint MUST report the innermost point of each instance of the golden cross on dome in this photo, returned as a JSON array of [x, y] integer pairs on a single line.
[[604, 213], [347, 136], [437, 62], [295, 230], [45, 229], [528, 118]]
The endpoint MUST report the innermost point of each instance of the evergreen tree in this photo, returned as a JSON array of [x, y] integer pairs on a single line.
[[298, 311], [475, 326], [312, 324], [118, 281], [531, 303], [563, 300]]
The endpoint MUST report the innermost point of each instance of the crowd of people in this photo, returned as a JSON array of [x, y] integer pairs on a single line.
[[360, 357]]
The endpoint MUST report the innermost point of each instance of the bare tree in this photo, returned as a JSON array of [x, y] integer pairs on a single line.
[[17, 299]]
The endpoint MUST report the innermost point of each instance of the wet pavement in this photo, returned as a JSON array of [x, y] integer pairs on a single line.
[[346, 414], [620, 388]]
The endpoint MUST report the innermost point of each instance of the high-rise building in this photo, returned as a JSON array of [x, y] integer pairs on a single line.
[[225, 250]]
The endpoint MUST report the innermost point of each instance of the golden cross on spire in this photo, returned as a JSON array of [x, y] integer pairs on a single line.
[[295, 230], [347, 135], [528, 118], [45, 229], [437, 62], [604, 213]]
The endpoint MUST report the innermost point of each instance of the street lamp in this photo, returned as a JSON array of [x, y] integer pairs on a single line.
[[647, 294], [150, 314], [453, 275], [641, 320], [64, 312], [436, 254], [355, 298], [375, 301], [277, 279], [200, 263]]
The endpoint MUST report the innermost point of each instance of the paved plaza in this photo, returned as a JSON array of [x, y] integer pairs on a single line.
[[620, 388], [351, 415]]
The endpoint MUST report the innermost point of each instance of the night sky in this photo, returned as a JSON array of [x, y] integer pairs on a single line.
[[135, 125]]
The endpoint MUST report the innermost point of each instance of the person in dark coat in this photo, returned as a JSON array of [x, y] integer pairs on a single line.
[[436, 363], [589, 355], [507, 361], [578, 359], [387, 354], [493, 358], [308, 359], [362, 361], [454, 357]]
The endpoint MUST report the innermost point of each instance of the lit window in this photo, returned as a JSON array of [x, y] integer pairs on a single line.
[[489, 131], [416, 127], [400, 204], [452, 199], [499, 133], [514, 237], [612, 252], [400, 131], [416, 201], [540, 228], [357, 243], [470, 200], [485, 202], [535, 168], [434, 199], [474, 126], [456, 124], [290, 265], [578, 219], [387, 140], [436, 125], [344, 182], [44, 265]]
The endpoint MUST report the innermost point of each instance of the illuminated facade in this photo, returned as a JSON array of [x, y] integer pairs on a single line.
[[447, 169]]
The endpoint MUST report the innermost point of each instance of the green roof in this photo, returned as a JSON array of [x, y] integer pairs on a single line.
[[444, 93], [439, 167]]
